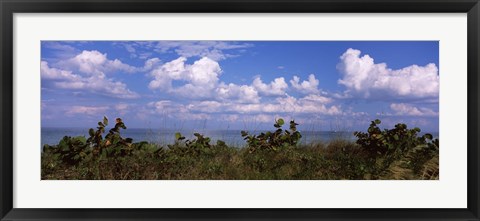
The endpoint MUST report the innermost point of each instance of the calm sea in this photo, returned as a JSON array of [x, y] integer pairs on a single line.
[[52, 136]]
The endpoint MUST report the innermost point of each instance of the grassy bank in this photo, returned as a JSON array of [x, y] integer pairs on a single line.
[[398, 153]]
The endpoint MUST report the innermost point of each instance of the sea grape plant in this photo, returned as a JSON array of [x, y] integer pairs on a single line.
[[391, 145], [70, 150], [379, 142], [113, 140], [113, 137], [273, 140], [96, 138], [199, 144]]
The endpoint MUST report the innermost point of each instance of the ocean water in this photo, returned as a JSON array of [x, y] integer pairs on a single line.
[[52, 136]]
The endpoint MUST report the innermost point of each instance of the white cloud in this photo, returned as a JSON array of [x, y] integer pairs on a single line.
[[167, 107], [277, 87], [56, 74], [97, 83], [150, 64], [168, 72], [201, 77], [171, 109], [240, 93], [306, 87], [94, 62], [318, 98], [402, 109], [87, 110], [206, 106], [200, 80], [312, 104], [364, 78]]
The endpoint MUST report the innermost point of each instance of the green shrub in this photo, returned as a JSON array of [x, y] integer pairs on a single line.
[[70, 149], [399, 150], [273, 140]]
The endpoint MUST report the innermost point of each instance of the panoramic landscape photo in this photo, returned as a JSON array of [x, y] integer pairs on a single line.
[[239, 110]]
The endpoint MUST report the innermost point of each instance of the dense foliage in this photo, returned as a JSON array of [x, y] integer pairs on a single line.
[[273, 140], [398, 153]]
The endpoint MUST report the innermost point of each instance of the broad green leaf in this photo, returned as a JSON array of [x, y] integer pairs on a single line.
[[280, 121], [82, 139], [395, 137]]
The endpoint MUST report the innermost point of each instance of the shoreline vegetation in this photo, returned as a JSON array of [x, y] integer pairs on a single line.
[[389, 154]]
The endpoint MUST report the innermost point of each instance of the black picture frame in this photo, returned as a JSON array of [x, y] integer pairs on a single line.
[[9, 7]]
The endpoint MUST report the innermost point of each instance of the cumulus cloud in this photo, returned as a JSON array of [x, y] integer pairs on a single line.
[[94, 62], [201, 77], [366, 79], [276, 87], [168, 72], [200, 80], [306, 87], [403, 109], [240, 93]]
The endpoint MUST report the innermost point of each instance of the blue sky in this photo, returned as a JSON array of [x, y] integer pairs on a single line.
[[323, 85]]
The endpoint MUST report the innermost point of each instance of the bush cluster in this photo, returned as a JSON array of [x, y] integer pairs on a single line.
[[273, 140]]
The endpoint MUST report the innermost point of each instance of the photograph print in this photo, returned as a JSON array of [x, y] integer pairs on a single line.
[[239, 110]]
